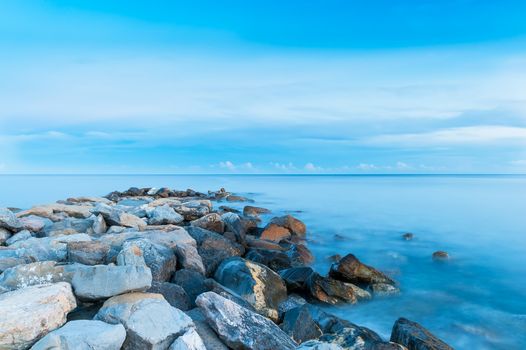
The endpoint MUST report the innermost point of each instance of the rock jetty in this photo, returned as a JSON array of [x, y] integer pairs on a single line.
[[157, 269]]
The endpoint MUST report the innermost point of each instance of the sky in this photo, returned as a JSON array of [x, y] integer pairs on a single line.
[[361, 87]]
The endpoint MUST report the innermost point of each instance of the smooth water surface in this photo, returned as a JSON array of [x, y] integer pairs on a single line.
[[477, 300]]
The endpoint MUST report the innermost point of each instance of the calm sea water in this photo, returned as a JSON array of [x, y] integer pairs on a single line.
[[477, 300]]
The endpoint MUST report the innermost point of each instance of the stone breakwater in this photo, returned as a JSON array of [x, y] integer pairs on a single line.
[[163, 269]]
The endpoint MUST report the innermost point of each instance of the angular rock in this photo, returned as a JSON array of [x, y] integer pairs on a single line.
[[174, 294], [233, 223], [296, 277], [54, 211], [415, 337], [257, 243], [350, 269], [99, 225], [9, 221], [207, 334], [240, 328], [172, 202], [47, 248], [35, 223], [188, 341], [192, 213], [117, 217], [275, 233], [292, 301], [214, 248], [318, 345], [160, 259], [189, 258], [192, 282], [69, 226], [149, 320], [213, 286], [20, 236], [28, 314], [234, 198], [300, 325], [295, 226], [275, 259], [211, 222], [300, 255], [88, 253], [37, 273], [84, 335], [5, 234], [354, 337], [329, 290], [254, 211], [384, 289], [164, 215], [256, 283]]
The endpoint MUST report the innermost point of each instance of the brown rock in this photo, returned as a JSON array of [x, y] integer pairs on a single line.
[[254, 211], [295, 226], [275, 233], [350, 269], [415, 337]]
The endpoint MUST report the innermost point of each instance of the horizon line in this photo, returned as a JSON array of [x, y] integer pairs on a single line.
[[261, 174]]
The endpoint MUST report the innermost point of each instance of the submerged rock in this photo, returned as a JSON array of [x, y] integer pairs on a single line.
[[415, 337], [254, 211], [240, 328], [28, 314], [149, 320], [255, 283], [84, 335], [408, 236]]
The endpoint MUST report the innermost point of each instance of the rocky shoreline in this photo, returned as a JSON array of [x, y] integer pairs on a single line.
[[163, 269]]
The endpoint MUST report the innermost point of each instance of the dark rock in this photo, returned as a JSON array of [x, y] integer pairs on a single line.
[[254, 211], [234, 223], [88, 253], [295, 226], [256, 283], [210, 338], [192, 282], [300, 325], [300, 255], [213, 286], [296, 277], [354, 337], [384, 289], [253, 242], [240, 328], [174, 294], [292, 301], [408, 236], [331, 291], [214, 248], [234, 198], [227, 209], [415, 337], [192, 213], [440, 255], [276, 260], [335, 258], [275, 233], [350, 269]]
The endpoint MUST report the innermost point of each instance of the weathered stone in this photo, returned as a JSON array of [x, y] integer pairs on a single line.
[[189, 258], [34, 223], [69, 226], [192, 213], [384, 289], [275, 233], [150, 321], [28, 314], [275, 259], [84, 335], [318, 345], [292, 301], [354, 337], [99, 225], [160, 259], [37, 273], [235, 224], [329, 290], [415, 337], [164, 215], [295, 226], [172, 202], [88, 253], [213, 286], [192, 282], [188, 341], [350, 269], [227, 209], [234, 198], [214, 248], [296, 277], [300, 325], [90, 200], [256, 283], [254, 211], [240, 328], [300, 255], [117, 217], [9, 220], [53, 211], [5, 234], [174, 294], [207, 334], [130, 254], [211, 222], [46, 248], [257, 243], [19, 236]]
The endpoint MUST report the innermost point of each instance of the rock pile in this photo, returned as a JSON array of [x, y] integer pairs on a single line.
[[157, 269]]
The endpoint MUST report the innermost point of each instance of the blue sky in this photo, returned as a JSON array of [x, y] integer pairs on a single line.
[[263, 86]]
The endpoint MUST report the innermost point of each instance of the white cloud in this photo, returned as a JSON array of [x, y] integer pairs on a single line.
[[227, 165], [366, 166], [312, 167]]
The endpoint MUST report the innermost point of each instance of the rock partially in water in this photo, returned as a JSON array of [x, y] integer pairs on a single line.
[[350, 269], [295, 226], [415, 337], [275, 233], [164, 215], [28, 314], [354, 337], [332, 291], [250, 210], [384, 289], [84, 335], [211, 222], [256, 283], [408, 236], [9, 221], [174, 294], [150, 321], [440, 255], [240, 328], [234, 198]]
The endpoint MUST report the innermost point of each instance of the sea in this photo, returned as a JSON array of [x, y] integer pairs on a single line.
[[474, 300]]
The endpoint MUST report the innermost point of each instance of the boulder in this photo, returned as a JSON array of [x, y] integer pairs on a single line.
[[37, 273], [46, 248], [292, 301], [149, 320], [275, 233], [88, 253], [358, 338], [174, 294], [440, 255], [19, 236], [9, 221], [69, 226], [214, 248], [90, 200], [415, 337], [193, 212], [240, 328], [164, 215], [300, 255], [234, 198], [295, 226], [257, 243], [5, 234], [189, 258], [296, 277], [117, 217], [172, 202], [235, 224], [160, 259], [318, 345], [329, 290], [255, 283], [213, 286], [207, 334], [384, 289], [56, 211], [192, 282], [188, 341], [34, 223], [211, 222], [99, 226], [300, 324], [350, 269], [28, 314], [275, 259], [84, 335], [254, 211]]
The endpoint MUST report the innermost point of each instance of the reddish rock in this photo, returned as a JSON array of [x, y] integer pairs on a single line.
[[275, 233]]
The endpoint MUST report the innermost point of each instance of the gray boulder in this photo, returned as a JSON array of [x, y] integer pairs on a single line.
[[415, 337], [9, 220], [35, 223], [20, 236], [28, 314], [207, 334], [189, 258], [211, 222], [149, 320], [88, 253], [188, 341], [174, 294], [318, 345], [118, 217], [164, 215], [84, 335], [256, 283], [240, 328], [192, 282]]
